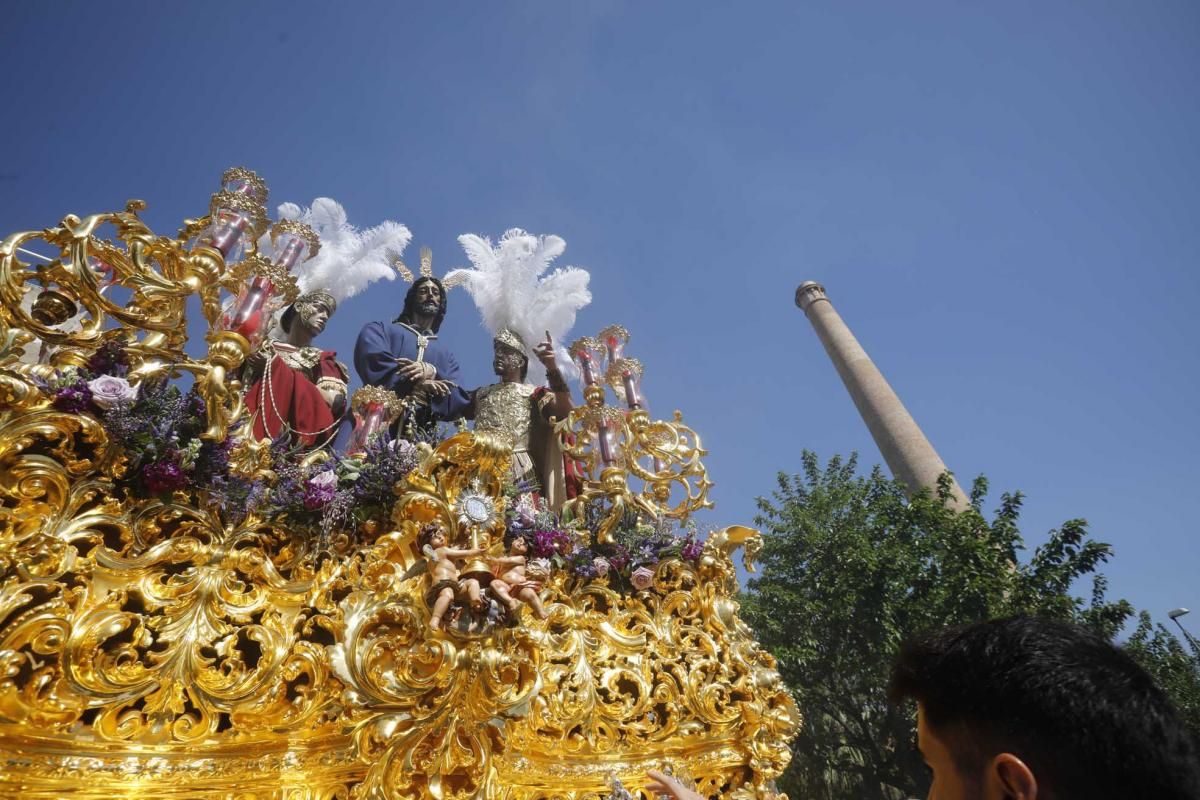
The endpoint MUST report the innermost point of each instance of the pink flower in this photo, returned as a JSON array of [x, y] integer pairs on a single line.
[[324, 480], [642, 578], [109, 391], [602, 566]]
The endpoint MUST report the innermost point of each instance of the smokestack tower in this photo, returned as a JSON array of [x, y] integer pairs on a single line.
[[908, 454]]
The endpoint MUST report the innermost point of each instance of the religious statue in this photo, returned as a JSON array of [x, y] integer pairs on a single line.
[[443, 572], [296, 389], [518, 305], [405, 356], [516, 576], [521, 413]]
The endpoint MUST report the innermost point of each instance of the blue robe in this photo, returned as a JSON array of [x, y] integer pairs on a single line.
[[381, 343]]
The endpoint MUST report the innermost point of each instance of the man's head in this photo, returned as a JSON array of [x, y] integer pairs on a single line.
[[311, 311], [508, 355], [424, 304], [1028, 708]]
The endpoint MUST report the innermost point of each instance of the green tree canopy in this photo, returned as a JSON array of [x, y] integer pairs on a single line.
[[852, 565]]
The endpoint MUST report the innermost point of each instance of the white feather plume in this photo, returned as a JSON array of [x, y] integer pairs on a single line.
[[349, 260], [510, 292]]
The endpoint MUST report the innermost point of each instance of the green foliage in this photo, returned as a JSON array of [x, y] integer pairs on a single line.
[[1174, 666], [851, 567]]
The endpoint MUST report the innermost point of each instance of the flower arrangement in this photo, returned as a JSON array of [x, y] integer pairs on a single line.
[[628, 563], [342, 491], [156, 424]]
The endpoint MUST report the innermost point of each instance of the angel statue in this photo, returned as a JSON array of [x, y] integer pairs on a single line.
[[517, 305], [295, 389]]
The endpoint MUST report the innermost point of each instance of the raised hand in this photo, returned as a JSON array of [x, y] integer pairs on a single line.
[[664, 783], [545, 354]]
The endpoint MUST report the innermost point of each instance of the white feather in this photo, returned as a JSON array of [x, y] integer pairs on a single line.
[[349, 259], [508, 289]]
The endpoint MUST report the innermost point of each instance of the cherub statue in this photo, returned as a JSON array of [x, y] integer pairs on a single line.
[[443, 572], [514, 579]]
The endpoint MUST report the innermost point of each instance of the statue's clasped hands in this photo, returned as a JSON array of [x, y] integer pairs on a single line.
[[424, 378]]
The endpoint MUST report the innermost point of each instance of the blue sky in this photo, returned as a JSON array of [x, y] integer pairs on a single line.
[[1000, 201]]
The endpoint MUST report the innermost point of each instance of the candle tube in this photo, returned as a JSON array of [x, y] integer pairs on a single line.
[[291, 252], [247, 316], [614, 345], [229, 232], [587, 369], [604, 436], [632, 398], [366, 427]]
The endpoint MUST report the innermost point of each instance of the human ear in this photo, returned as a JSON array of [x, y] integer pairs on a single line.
[[1009, 778]]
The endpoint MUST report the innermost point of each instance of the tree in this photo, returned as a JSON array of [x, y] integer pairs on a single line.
[[851, 566]]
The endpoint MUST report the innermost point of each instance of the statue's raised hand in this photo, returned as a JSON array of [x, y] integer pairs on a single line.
[[545, 354]]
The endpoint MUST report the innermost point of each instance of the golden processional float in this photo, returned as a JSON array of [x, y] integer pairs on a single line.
[[175, 623]]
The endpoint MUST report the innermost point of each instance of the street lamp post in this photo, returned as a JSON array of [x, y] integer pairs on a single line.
[[1175, 614]]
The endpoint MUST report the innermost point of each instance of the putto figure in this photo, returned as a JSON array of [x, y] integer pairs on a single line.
[[517, 582], [443, 571], [296, 389], [405, 356]]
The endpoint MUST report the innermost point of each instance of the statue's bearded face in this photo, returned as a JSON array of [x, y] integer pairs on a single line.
[[429, 298], [506, 359]]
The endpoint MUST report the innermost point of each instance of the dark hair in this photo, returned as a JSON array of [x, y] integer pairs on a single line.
[[512, 534], [287, 318], [427, 532], [1087, 720], [410, 303]]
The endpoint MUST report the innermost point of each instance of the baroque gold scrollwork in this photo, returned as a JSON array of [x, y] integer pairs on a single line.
[[162, 643]]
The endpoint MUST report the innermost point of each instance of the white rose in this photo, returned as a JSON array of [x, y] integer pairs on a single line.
[[109, 391]]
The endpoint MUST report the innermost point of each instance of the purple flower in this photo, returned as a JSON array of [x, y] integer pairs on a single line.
[[196, 405], [550, 543], [619, 559], [320, 489], [109, 359], [74, 398], [692, 550], [163, 476], [642, 578]]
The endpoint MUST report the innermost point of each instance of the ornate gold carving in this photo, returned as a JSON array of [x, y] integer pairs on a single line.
[[257, 184], [176, 646], [298, 228], [372, 395]]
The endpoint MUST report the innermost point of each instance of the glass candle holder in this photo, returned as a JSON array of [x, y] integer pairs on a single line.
[[588, 355], [367, 425], [373, 409], [614, 338], [250, 311]]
